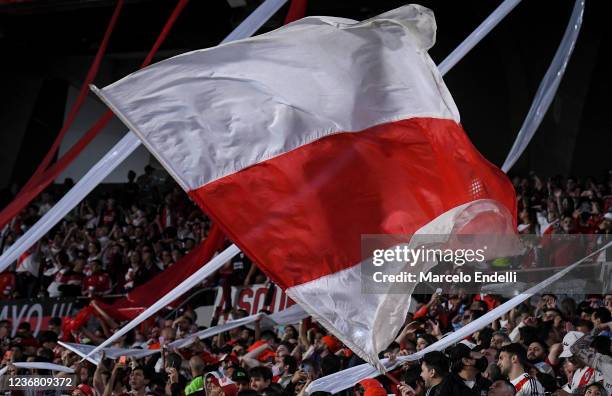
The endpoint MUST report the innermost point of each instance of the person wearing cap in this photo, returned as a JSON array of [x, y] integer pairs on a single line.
[[213, 387], [581, 355], [328, 344], [465, 378], [240, 377], [370, 387], [513, 365], [583, 374]]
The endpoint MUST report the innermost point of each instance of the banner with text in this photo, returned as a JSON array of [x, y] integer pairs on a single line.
[[36, 311]]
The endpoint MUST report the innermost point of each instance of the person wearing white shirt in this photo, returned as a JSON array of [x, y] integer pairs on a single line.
[[512, 362]]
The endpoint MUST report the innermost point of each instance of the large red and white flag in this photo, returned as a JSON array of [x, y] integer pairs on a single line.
[[300, 140]]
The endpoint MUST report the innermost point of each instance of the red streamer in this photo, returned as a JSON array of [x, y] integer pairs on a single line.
[[91, 74], [297, 10], [38, 184], [147, 294]]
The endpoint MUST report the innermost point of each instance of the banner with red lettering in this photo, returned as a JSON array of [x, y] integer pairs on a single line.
[[252, 299], [36, 311]]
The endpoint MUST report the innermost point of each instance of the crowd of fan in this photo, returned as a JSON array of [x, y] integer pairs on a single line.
[[547, 345], [110, 243]]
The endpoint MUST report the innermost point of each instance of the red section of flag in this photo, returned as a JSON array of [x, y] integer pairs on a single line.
[[302, 213]]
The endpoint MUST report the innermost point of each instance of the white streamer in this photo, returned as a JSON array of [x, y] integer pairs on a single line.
[[208, 269], [291, 315], [548, 87], [253, 22], [478, 34], [344, 379], [38, 366], [112, 353]]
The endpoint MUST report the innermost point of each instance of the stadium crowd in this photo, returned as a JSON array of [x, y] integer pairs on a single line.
[[550, 344]]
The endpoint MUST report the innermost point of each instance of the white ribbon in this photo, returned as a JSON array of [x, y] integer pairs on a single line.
[[291, 315], [112, 353], [548, 87], [39, 366], [478, 34], [208, 269]]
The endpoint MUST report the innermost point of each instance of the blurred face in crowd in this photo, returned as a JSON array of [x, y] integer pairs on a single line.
[[421, 344], [258, 384], [490, 354], [245, 335], [4, 330], [497, 341], [593, 390], [568, 369], [428, 375], [147, 254], [166, 257], [535, 352], [501, 388], [92, 249], [281, 351], [291, 334], [505, 362], [176, 255], [84, 375], [608, 301], [78, 265], [409, 348], [551, 315], [566, 224], [184, 324], [243, 385], [101, 231], [169, 334], [137, 380], [135, 258]]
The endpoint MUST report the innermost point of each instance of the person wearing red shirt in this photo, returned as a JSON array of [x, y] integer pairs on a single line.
[[98, 283]]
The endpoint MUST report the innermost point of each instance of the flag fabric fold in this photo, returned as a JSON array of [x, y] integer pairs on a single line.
[[299, 141]]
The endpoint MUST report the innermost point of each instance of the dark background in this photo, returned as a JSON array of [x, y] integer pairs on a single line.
[[47, 46]]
